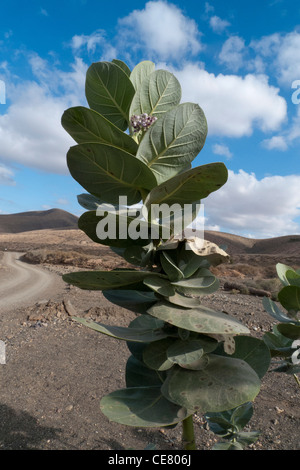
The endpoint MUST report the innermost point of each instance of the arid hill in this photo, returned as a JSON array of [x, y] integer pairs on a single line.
[[288, 245], [37, 220]]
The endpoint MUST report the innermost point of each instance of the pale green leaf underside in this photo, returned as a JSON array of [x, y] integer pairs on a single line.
[[140, 72], [107, 280], [174, 141], [141, 407], [222, 385], [201, 319], [138, 335], [158, 93]]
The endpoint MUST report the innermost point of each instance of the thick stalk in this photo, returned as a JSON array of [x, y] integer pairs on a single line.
[[188, 436]]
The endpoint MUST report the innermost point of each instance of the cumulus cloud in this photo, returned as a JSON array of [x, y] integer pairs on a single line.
[[93, 41], [162, 30], [275, 143], [283, 50], [223, 150], [232, 53], [233, 105], [217, 24], [268, 207], [30, 130]]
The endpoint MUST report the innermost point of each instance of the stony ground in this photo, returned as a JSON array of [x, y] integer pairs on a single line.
[[56, 371]]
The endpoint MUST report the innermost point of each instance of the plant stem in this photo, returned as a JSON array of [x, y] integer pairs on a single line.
[[188, 436], [297, 380]]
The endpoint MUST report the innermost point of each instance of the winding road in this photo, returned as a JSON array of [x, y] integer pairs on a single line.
[[22, 283]]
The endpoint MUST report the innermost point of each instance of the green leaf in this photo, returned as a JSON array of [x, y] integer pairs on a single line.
[[109, 91], [183, 301], [188, 187], [228, 446], [174, 141], [272, 308], [140, 72], [155, 355], [222, 385], [137, 374], [159, 285], [123, 66], [90, 202], [107, 280], [201, 319], [134, 300], [139, 335], [111, 229], [228, 422], [281, 272], [190, 350], [170, 268], [158, 93], [108, 172], [253, 351], [141, 407], [203, 282], [86, 125], [289, 297], [289, 330]]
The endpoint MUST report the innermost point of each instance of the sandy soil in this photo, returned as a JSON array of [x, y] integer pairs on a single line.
[[56, 371]]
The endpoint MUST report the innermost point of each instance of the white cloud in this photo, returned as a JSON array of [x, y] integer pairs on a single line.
[[91, 42], [220, 149], [275, 143], [30, 131], [232, 53], [265, 208], [217, 24], [283, 51], [162, 30], [6, 176], [233, 105]]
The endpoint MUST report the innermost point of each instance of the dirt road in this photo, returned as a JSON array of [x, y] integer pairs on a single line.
[[22, 284]]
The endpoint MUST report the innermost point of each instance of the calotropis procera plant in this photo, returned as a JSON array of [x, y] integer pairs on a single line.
[[136, 142]]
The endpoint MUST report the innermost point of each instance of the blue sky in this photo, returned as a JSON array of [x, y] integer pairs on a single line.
[[238, 60]]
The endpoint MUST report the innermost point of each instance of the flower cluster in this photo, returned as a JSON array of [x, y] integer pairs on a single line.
[[142, 122]]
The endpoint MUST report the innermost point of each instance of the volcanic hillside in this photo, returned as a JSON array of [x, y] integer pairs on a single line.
[[37, 220]]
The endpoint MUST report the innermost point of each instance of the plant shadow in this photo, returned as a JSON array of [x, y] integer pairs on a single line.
[[21, 431]]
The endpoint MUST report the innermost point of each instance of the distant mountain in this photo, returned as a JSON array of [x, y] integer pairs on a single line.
[[288, 245], [37, 220]]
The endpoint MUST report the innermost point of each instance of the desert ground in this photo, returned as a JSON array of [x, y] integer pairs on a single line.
[[56, 370]]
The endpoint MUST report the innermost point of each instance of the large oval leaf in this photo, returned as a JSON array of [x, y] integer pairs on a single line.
[[190, 350], [140, 72], [109, 91], [108, 172], [204, 282], [174, 141], [107, 280], [133, 300], [289, 297], [222, 385], [141, 407], [138, 335], [188, 187], [111, 229], [201, 319], [86, 125], [158, 93], [137, 374]]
